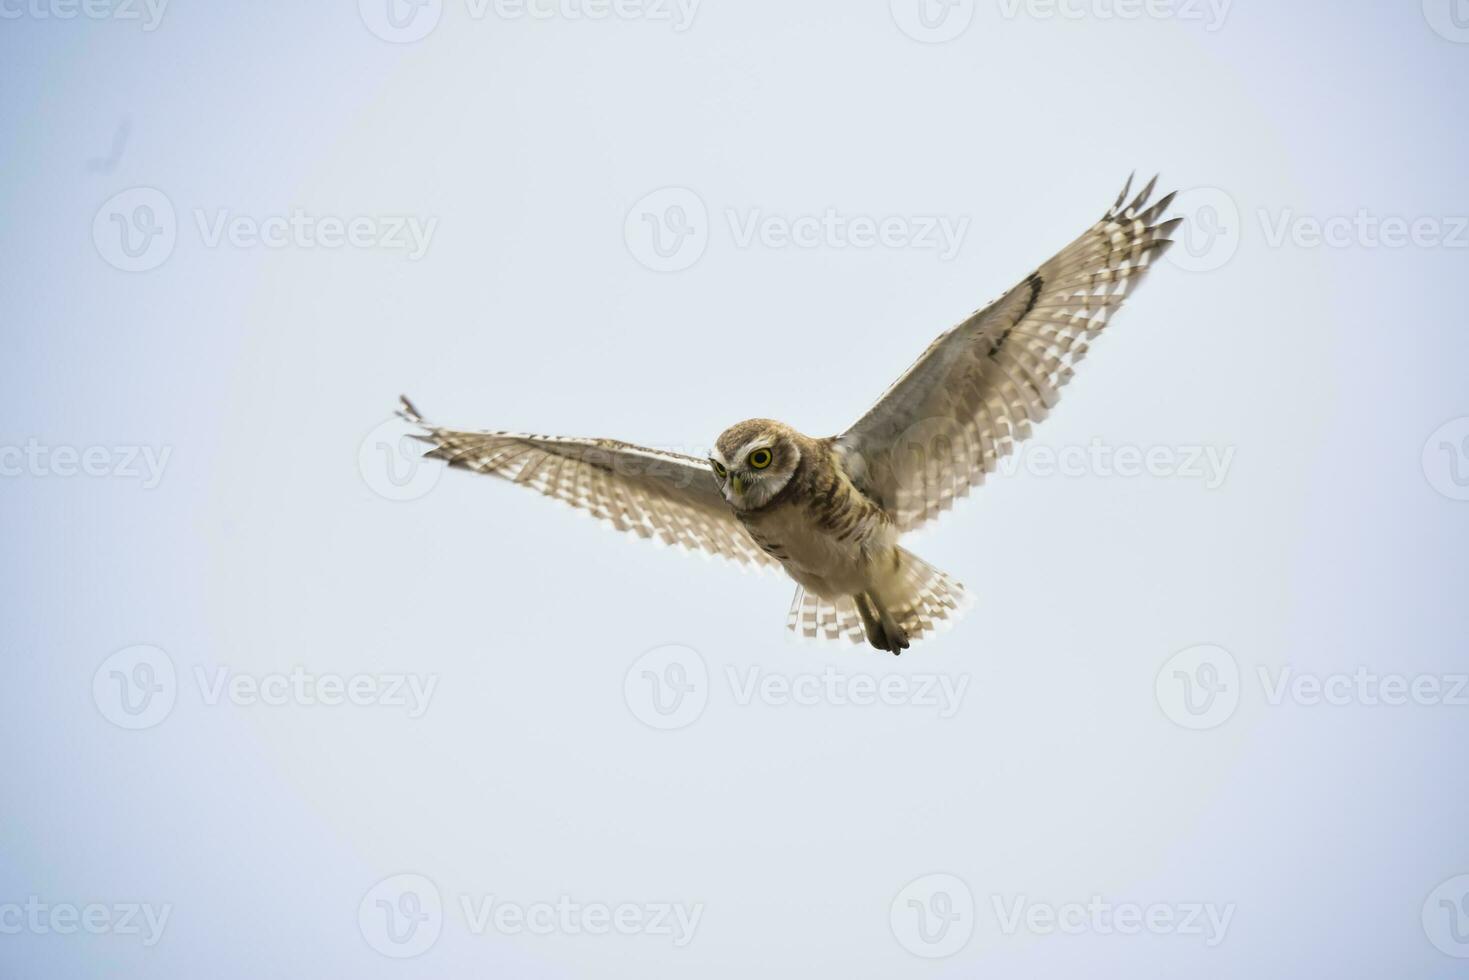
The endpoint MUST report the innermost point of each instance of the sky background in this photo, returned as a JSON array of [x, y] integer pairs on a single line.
[[1130, 717]]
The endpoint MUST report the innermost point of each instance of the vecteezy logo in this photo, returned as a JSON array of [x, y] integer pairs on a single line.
[[401, 916], [401, 21], [1210, 233], [1448, 18], [391, 462], [667, 687], [668, 230], [1199, 688], [932, 21], [1446, 459], [135, 230], [135, 688], [1446, 917], [933, 916]]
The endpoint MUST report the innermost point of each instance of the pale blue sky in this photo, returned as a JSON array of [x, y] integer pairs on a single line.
[[1327, 538]]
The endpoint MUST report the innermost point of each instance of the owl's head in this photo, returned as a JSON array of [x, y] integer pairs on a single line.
[[754, 460]]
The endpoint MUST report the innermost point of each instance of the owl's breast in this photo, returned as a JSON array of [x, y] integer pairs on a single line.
[[825, 542]]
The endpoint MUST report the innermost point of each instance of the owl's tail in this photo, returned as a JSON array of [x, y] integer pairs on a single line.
[[910, 603], [814, 618], [916, 600]]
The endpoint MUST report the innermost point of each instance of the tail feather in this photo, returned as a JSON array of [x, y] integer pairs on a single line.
[[920, 598], [814, 618], [924, 599]]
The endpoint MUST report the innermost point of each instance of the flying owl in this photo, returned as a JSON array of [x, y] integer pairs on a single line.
[[830, 511]]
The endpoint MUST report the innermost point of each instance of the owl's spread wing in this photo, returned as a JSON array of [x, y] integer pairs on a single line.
[[646, 491], [946, 422]]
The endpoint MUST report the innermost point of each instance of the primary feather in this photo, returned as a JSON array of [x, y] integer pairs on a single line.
[[648, 492], [978, 388], [830, 511]]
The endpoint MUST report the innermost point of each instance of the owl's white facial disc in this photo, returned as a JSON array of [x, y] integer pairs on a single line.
[[747, 484]]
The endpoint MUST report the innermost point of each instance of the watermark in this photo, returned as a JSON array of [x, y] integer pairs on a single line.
[[1102, 917], [404, 915], [1210, 13], [1448, 18], [1362, 686], [137, 688], [136, 230], [932, 21], [1211, 230], [1208, 465], [401, 916], [40, 460], [1363, 229], [831, 229], [401, 21], [1213, 227], [406, 233], [670, 229], [670, 686], [299, 687], [1200, 688], [675, 921], [943, 694], [1446, 459], [1446, 917], [667, 688], [944, 443], [933, 916], [147, 13], [391, 462], [408, 21], [42, 918], [936, 915]]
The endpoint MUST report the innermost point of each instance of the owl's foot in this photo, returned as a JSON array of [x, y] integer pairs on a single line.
[[883, 632], [897, 639]]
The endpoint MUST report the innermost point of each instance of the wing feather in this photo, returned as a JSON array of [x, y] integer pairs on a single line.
[[648, 492], [980, 386]]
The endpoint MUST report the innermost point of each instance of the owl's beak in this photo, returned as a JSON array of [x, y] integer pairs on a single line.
[[739, 484]]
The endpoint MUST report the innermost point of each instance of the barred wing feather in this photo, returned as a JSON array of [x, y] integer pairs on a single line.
[[978, 388], [648, 492]]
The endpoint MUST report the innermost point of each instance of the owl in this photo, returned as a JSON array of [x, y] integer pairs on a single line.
[[830, 511]]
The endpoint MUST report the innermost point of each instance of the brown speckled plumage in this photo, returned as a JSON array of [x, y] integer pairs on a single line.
[[829, 511]]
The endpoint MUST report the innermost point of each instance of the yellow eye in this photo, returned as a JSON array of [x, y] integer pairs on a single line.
[[760, 459], [718, 468]]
